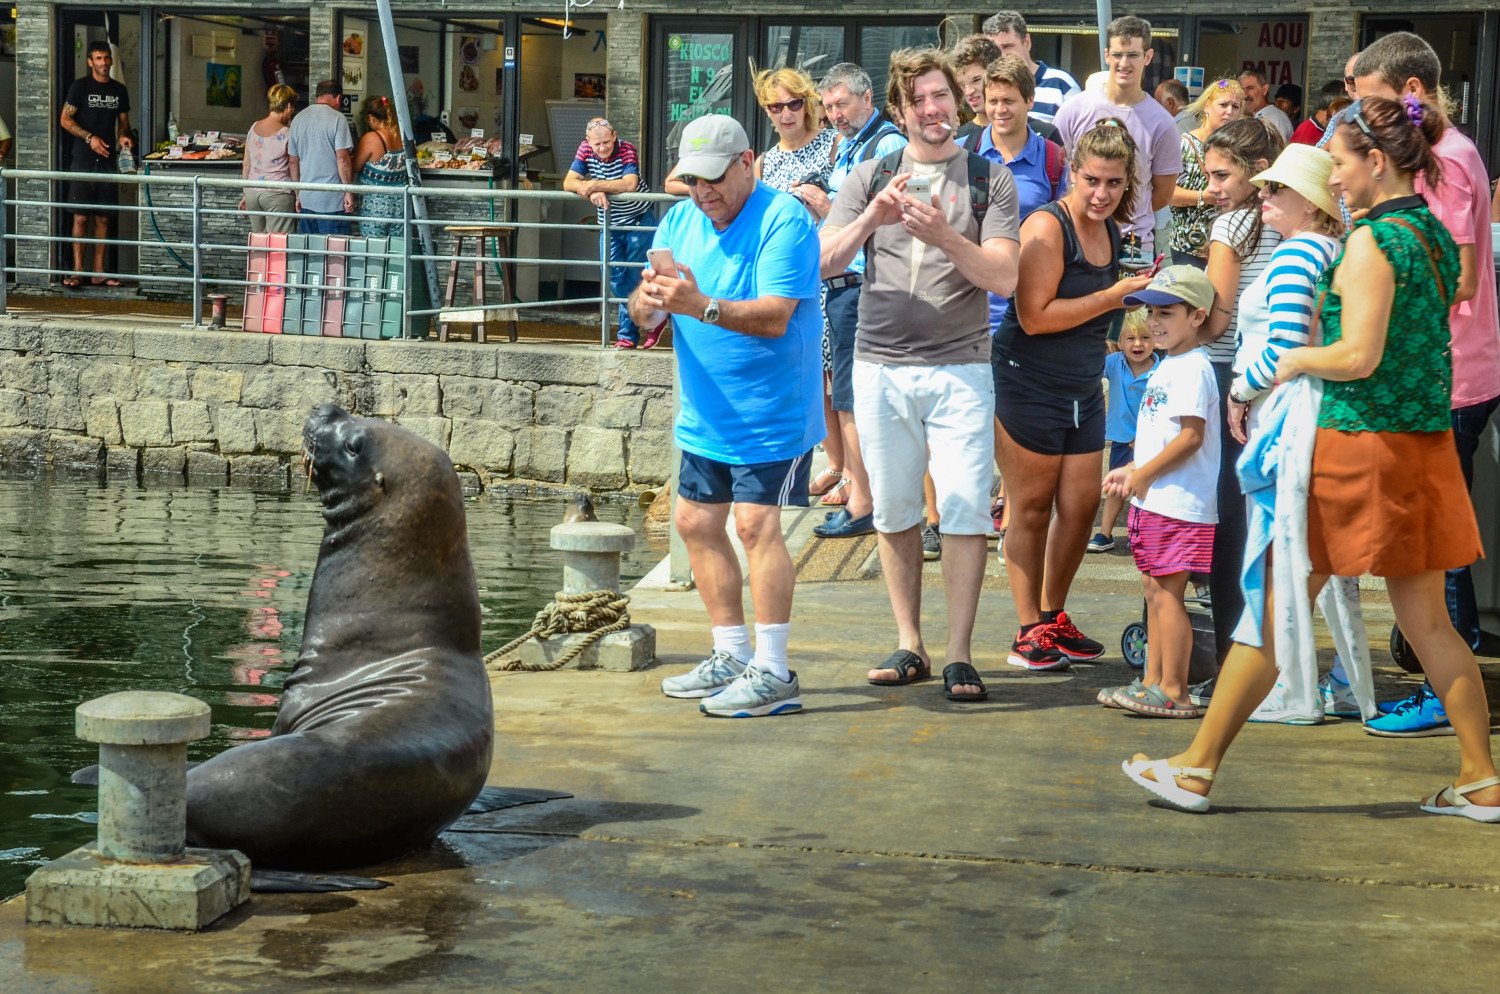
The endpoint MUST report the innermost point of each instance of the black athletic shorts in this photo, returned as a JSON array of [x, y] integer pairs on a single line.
[[1045, 422]]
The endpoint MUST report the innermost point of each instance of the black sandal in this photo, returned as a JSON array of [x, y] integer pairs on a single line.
[[955, 674], [908, 664]]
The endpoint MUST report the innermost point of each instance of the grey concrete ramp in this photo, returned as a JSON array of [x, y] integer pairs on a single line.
[[884, 839]]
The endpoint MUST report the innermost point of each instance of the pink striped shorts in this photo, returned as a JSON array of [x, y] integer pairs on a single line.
[[1163, 546]]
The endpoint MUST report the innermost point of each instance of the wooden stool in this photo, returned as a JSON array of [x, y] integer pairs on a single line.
[[504, 236]]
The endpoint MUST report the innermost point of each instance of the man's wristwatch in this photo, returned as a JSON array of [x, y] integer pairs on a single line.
[[711, 312]]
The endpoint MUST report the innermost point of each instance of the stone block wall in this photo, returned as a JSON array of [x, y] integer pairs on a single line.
[[215, 405]]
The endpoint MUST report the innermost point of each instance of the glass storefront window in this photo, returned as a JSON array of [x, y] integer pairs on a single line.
[[699, 80], [878, 41], [813, 48]]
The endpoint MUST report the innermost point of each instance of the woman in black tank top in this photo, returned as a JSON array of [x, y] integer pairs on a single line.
[[1048, 357]]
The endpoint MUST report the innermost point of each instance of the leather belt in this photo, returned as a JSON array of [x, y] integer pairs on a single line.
[[847, 279]]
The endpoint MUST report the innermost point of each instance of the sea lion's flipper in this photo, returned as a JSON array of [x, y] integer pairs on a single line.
[[292, 882], [495, 798]]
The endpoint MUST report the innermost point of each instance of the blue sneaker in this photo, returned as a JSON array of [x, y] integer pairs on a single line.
[[1418, 716], [1387, 707]]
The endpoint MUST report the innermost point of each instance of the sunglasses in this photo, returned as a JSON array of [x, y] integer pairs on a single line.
[[1272, 187], [693, 181], [1348, 80], [791, 105]]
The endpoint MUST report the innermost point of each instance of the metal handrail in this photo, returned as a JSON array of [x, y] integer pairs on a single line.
[[200, 246]]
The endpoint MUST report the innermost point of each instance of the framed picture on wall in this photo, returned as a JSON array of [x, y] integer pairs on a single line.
[[354, 44], [223, 87], [588, 86], [354, 74]]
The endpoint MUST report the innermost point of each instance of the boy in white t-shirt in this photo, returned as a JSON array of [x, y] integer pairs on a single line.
[[1172, 486]]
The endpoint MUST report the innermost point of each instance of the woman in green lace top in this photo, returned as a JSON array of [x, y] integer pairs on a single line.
[[1387, 495]]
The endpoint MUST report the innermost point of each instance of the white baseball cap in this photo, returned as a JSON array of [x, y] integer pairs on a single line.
[[709, 145]]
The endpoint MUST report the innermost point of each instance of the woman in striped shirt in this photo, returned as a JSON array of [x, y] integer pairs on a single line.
[[1276, 310]]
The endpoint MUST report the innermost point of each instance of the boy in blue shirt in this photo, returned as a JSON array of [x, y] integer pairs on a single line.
[[1126, 371]]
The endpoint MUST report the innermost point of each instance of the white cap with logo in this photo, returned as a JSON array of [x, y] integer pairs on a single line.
[[709, 145]]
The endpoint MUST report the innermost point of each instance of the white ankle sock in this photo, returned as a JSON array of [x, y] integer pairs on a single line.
[[735, 640], [770, 650]]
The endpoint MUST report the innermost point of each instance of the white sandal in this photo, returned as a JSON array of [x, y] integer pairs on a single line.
[[1165, 785], [1453, 803]]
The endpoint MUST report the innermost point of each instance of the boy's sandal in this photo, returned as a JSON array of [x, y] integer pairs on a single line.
[[1165, 785], [824, 482], [909, 667], [1107, 695], [962, 675], [838, 494], [1152, 702], [1450, 801]]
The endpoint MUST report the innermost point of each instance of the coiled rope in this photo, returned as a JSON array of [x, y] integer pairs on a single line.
[[596, 612]]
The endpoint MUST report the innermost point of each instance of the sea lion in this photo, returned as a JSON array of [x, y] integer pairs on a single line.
[[580, 508], [385, 728]]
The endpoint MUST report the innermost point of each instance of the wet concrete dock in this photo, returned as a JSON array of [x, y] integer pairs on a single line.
[[884, 839]]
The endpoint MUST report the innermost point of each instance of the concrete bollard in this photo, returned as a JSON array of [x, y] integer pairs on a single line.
[[142, 741], [591, 561], [140, 873], [591, 554]]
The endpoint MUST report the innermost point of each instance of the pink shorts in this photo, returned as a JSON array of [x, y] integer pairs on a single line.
[[1163, 546]]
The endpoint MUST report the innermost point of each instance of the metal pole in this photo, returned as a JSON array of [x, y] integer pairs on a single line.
[[1106, 14], [604, 278], [197, 252], [406, 207], [403, 117], [4, 240]]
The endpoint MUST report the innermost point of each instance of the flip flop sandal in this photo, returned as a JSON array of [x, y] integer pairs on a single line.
[[824, 482], [72, 282], [908, 664], [838, 494], [1152, 702], [956, 674], [1165, 785], [111, 282], [1450, 801]]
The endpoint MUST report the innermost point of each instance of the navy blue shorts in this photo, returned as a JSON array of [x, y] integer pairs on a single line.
[[1120, 453], [842, 308], [1043, 423], [709, 481]]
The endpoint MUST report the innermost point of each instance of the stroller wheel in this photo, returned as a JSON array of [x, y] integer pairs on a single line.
[[1133, 644], [1402, 652]]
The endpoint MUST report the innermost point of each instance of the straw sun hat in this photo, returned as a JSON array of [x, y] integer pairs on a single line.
[[1304, 168]]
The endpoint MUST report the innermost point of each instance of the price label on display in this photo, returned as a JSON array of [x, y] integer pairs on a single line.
[[476, 132], [528, 139]]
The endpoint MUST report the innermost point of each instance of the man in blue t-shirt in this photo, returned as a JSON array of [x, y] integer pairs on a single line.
[[742, 294]]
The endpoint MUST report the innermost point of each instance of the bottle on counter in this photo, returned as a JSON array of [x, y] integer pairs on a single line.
[[172, 130]]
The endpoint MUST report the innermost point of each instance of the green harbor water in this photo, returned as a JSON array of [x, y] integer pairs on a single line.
[[197, 590]]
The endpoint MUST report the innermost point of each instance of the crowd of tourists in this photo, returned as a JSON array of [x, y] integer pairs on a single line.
[[1291, 347]]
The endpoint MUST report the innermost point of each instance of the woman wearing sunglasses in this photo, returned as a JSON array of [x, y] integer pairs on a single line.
[[803, 153]]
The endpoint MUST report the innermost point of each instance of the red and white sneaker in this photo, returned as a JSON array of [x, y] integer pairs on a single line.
[[1036, 651], [654, 335], [1072, 643]]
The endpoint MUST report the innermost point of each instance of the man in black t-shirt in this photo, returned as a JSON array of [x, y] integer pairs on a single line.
[[97, 114]]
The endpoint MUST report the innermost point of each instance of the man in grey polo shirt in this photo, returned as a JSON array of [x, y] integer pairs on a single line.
[[320, 149], [924, 398]]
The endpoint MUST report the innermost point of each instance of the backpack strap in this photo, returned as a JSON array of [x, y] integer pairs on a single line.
[[1056, 165], [1432, 258], [979, 180], [866, 150]]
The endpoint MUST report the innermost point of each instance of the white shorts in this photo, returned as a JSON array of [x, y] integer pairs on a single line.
[[913, 419]]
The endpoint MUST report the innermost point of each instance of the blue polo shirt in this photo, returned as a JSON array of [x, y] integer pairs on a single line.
[[1033, 189], [851, 153], [1125, 393], [748, 400]]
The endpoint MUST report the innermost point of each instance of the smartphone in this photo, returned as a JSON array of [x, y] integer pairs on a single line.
[[662, 262], [1156, 264], [919, 187]]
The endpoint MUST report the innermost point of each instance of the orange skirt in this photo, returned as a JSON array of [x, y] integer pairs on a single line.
[[1389, 503]]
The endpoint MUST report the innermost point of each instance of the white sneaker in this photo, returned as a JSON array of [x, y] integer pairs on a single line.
[[1275, 711], [706, 679], [1338, 698], [755, 694]]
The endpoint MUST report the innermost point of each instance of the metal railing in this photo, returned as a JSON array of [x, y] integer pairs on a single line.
[[192, 209]]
